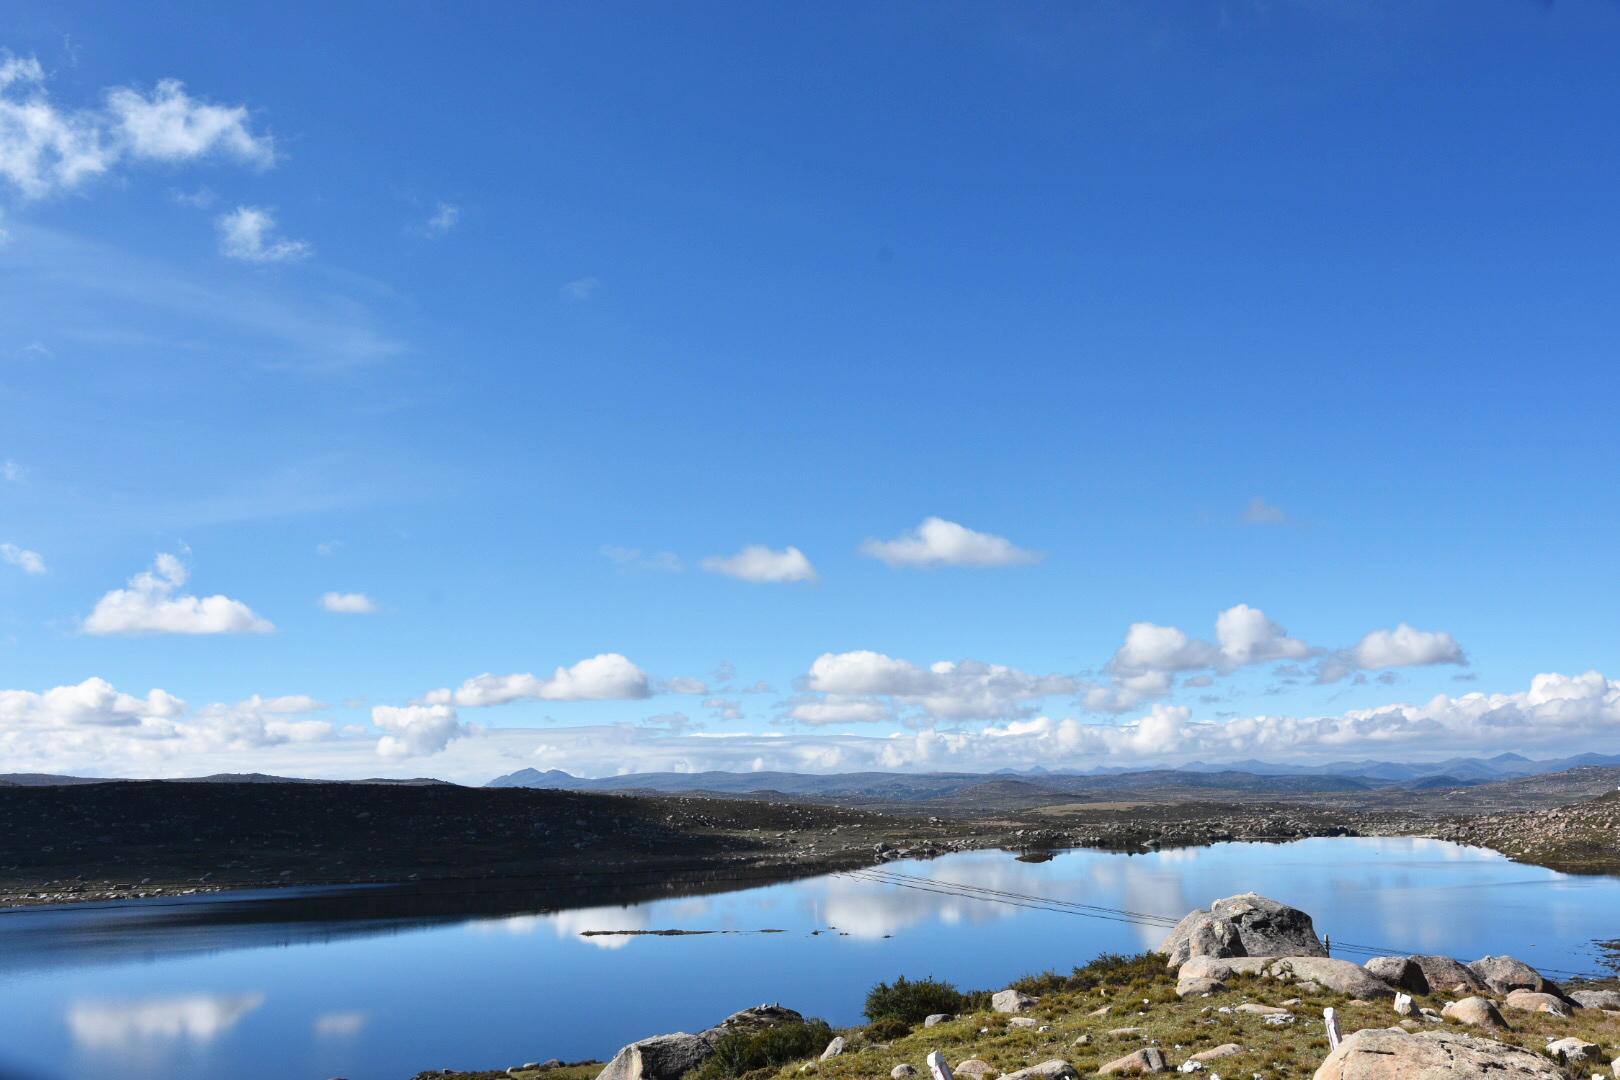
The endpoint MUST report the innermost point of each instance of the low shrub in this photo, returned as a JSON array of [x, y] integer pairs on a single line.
[[768, 1048], [913, 1002]]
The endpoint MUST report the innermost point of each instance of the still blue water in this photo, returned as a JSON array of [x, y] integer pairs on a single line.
[[151, 989]]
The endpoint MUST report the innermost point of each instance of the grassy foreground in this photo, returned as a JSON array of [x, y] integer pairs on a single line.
[[1117, 1005]]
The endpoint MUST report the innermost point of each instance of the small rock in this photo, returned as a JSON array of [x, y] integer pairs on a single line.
[[1128, 1032], [1262, 1010], [1403, 1005], [1481, 1012], [1082, 1040], [834, 1048], [976, 1068], [1023, 1022], [1193, 987], [1575, 1053], [1056, 1069], [902, 1071], [936, 1018], [1225, 1050], [1149, 1059], [1011, 1001]]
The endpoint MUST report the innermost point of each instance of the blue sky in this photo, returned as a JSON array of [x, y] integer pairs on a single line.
[[882, 385]]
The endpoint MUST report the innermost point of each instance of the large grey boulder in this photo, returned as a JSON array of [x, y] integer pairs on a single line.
[[662, 1057], [1011, 1001], [1577, 1053], [1530, 1001], [834, 1048], [1340, 976], [1478, 1011], [1393, 1054], [1246, 925], [1503, 975], [1595, 999], [1444, 975], [1398, 971]]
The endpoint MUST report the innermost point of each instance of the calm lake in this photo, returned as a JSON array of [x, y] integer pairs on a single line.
[[368, 985]]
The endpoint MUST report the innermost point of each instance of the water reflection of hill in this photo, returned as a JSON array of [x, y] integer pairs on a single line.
[[139, 930]]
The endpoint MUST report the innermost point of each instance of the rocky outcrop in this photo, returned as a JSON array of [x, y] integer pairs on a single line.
[[1576, 1054], [1340, 976], [1401, 972], [748, 1021], [1393, 1054], [1247, 925], [662, 1057], [1478, 1011], [1503, 975]]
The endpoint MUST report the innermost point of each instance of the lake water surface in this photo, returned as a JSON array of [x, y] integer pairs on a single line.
[[256, 986]]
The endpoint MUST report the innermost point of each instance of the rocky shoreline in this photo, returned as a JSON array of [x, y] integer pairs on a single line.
[[1245, 989]]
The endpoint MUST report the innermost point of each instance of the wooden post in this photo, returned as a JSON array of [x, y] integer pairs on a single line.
[[937, 1066], [1331, 1019]]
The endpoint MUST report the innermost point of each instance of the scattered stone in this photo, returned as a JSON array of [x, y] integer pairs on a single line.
[[1104, 1011], [1530, 1001], [1225, 1050], [1340, 976], [1478, 1011], [936, 1018], [1128, 1032], [903, 1071], [1503, 975], [977, 1069], [1023, 1022], [1056, 1069], [1011, 1001], [1392, 1054], [834, 1048], [1403, 1005], [1289, 1003], [1149, 1059], [1082, 1040], [662, 1057], [1400, 972], [1575, 1053], [1262, 1010]]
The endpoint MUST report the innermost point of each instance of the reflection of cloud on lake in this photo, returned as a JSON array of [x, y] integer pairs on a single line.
[[128, 1025], [573, 923], [338, 1024]]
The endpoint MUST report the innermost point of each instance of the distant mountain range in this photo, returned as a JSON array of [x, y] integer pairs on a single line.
[[1256, 776]]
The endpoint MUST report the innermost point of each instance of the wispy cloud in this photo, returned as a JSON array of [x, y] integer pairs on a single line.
[[152, 605], [446, 216], [937, 542], [350, 603], [605, 677], [45, 150], [12, 472], [763, 566], [249, 233], [581, 290], [629, 558], [29, 561]]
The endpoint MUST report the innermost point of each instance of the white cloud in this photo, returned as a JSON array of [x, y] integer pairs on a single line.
[[249, 233], [45, 150], [606, 677], [128, 1027], [1403, 646], [13, 472], [581, 290], [328, 547], [348, 603], [685, 684], [29, 561], [1260, 512], [445, 217], [415, 729], [762, 566], [945, 690], [150, 606], [937, 542]]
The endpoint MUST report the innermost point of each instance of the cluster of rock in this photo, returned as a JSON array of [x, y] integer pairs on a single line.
[[668, 1057], [1253, 935]]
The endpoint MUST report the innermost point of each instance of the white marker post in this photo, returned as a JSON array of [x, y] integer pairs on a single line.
[[1331, 1018], [937, 1066]]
